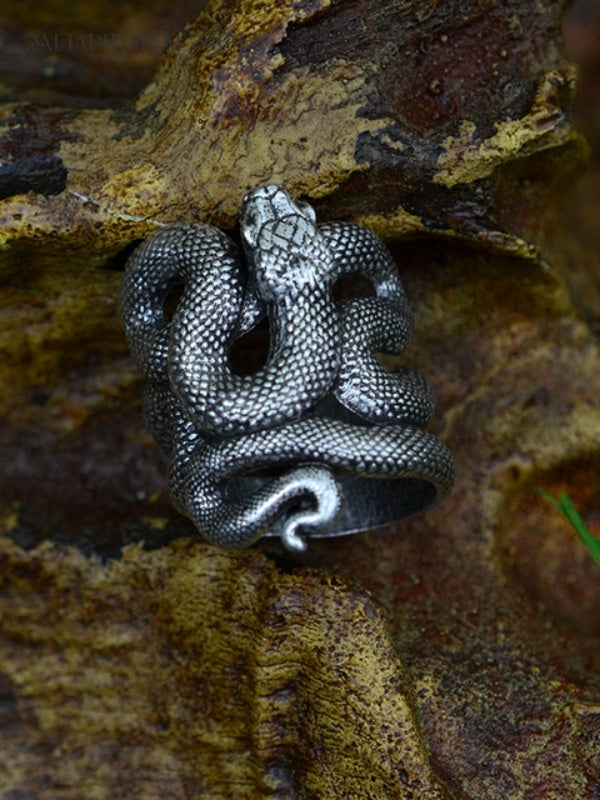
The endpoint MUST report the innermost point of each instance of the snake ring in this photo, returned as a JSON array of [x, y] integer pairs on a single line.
[[320, 441]]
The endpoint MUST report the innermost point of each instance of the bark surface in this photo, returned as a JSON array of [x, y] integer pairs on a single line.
[[456, 655]]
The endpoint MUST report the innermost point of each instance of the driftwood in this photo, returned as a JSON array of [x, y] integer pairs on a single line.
[[453, 656]]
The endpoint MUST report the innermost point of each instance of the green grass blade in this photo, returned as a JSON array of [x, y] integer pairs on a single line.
[[566, 507]]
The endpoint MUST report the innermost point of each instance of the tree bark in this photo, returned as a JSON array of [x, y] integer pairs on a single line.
[[456, 655]]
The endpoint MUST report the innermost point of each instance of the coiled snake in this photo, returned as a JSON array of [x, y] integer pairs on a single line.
[[320, 410]]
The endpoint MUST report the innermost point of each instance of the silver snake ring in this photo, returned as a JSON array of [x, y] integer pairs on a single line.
[[322, 440]]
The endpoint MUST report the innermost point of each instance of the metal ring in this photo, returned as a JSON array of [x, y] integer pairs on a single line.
[[322, 440]]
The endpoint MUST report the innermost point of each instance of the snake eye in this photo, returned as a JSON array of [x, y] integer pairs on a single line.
[[249, 231], [307, 210]]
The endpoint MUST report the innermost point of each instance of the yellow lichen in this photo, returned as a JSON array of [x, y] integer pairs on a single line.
[[543, 127]]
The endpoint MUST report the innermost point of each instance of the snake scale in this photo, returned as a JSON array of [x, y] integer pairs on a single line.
[[215, 424]]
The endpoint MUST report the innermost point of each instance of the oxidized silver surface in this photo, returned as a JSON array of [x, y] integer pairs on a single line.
[[339, 440]]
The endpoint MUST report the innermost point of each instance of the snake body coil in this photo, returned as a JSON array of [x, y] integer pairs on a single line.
[[215, 424]]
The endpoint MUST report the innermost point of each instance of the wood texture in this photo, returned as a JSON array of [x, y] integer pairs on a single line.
[[456, 655]]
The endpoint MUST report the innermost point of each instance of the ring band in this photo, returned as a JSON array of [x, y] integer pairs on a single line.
[[322, 440], [369, 504]]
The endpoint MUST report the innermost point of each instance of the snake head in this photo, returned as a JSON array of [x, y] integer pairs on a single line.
[[283, 242], [267, 205]]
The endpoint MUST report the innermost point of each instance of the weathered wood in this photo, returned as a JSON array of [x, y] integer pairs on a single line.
[[188, 672]]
